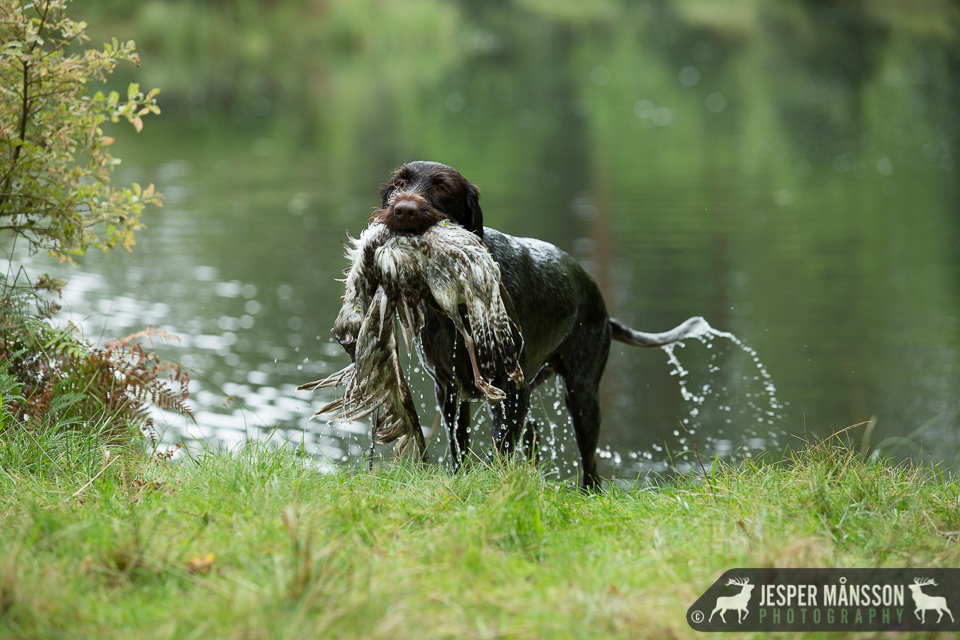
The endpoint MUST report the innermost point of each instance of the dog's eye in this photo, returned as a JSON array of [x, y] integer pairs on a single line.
[[439, 188], [400, 184]]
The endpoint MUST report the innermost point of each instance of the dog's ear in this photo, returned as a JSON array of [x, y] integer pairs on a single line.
[[384, 192], [474, 215]]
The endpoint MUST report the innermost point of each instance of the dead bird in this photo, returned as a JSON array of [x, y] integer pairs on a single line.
[[374, 380], [398, 277]]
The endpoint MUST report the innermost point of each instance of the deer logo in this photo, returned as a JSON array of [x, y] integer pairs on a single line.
[[738, 602], [926, 603]]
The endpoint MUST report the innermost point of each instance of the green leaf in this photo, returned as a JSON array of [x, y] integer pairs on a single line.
[[64, 165]]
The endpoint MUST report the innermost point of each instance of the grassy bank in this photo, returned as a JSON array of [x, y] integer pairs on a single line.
[[253, 544]]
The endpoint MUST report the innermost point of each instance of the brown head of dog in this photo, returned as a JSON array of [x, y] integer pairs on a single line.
[[420, 194]]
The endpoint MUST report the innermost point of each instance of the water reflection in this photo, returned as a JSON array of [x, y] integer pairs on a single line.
[[787, 172]]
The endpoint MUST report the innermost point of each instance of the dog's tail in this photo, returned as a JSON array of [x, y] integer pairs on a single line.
[[692, 328]]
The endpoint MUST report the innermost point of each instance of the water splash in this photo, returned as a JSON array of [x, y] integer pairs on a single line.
[[554, 429], [759, 409], [718, 394]]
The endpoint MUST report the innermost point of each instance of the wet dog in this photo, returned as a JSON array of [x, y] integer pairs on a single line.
[[556, 305]]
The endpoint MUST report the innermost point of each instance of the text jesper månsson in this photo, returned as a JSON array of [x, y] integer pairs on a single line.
[[844, 595]]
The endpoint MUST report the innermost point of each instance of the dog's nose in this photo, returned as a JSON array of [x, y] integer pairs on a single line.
[[406, 208]]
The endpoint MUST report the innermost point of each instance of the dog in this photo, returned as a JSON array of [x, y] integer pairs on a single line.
[[556, 305]]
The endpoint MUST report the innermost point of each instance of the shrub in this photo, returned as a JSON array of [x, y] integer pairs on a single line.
[[61, 378], [55, 162], [55, 194]]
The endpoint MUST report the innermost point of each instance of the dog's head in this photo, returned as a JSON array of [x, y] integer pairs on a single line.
[[420, 194]]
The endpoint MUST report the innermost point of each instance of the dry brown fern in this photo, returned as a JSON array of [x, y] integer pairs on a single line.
[[64, 378]]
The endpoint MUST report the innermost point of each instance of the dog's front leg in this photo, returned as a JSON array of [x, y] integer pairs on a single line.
[[510, 418], [456, 420]]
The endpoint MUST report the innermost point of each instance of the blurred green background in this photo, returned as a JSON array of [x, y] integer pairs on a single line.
[[785, 169]]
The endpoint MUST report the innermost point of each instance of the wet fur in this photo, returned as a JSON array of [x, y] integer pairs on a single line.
[[556, 304]]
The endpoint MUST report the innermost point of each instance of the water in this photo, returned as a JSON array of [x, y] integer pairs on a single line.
[[799, 191]]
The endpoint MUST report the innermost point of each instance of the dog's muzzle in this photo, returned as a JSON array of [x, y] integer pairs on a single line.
[[408, 216]]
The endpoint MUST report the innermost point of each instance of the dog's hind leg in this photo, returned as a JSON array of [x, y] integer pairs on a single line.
[[582, 360], [583, 402], [456, 420]]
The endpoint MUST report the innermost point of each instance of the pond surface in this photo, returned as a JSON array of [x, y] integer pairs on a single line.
[[790, 175]]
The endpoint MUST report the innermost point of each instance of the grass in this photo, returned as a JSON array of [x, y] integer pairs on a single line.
[[255, 544]]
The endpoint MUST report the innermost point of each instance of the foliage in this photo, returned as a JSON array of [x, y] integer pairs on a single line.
[[55, 162], [256, 543], [49, 375]]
